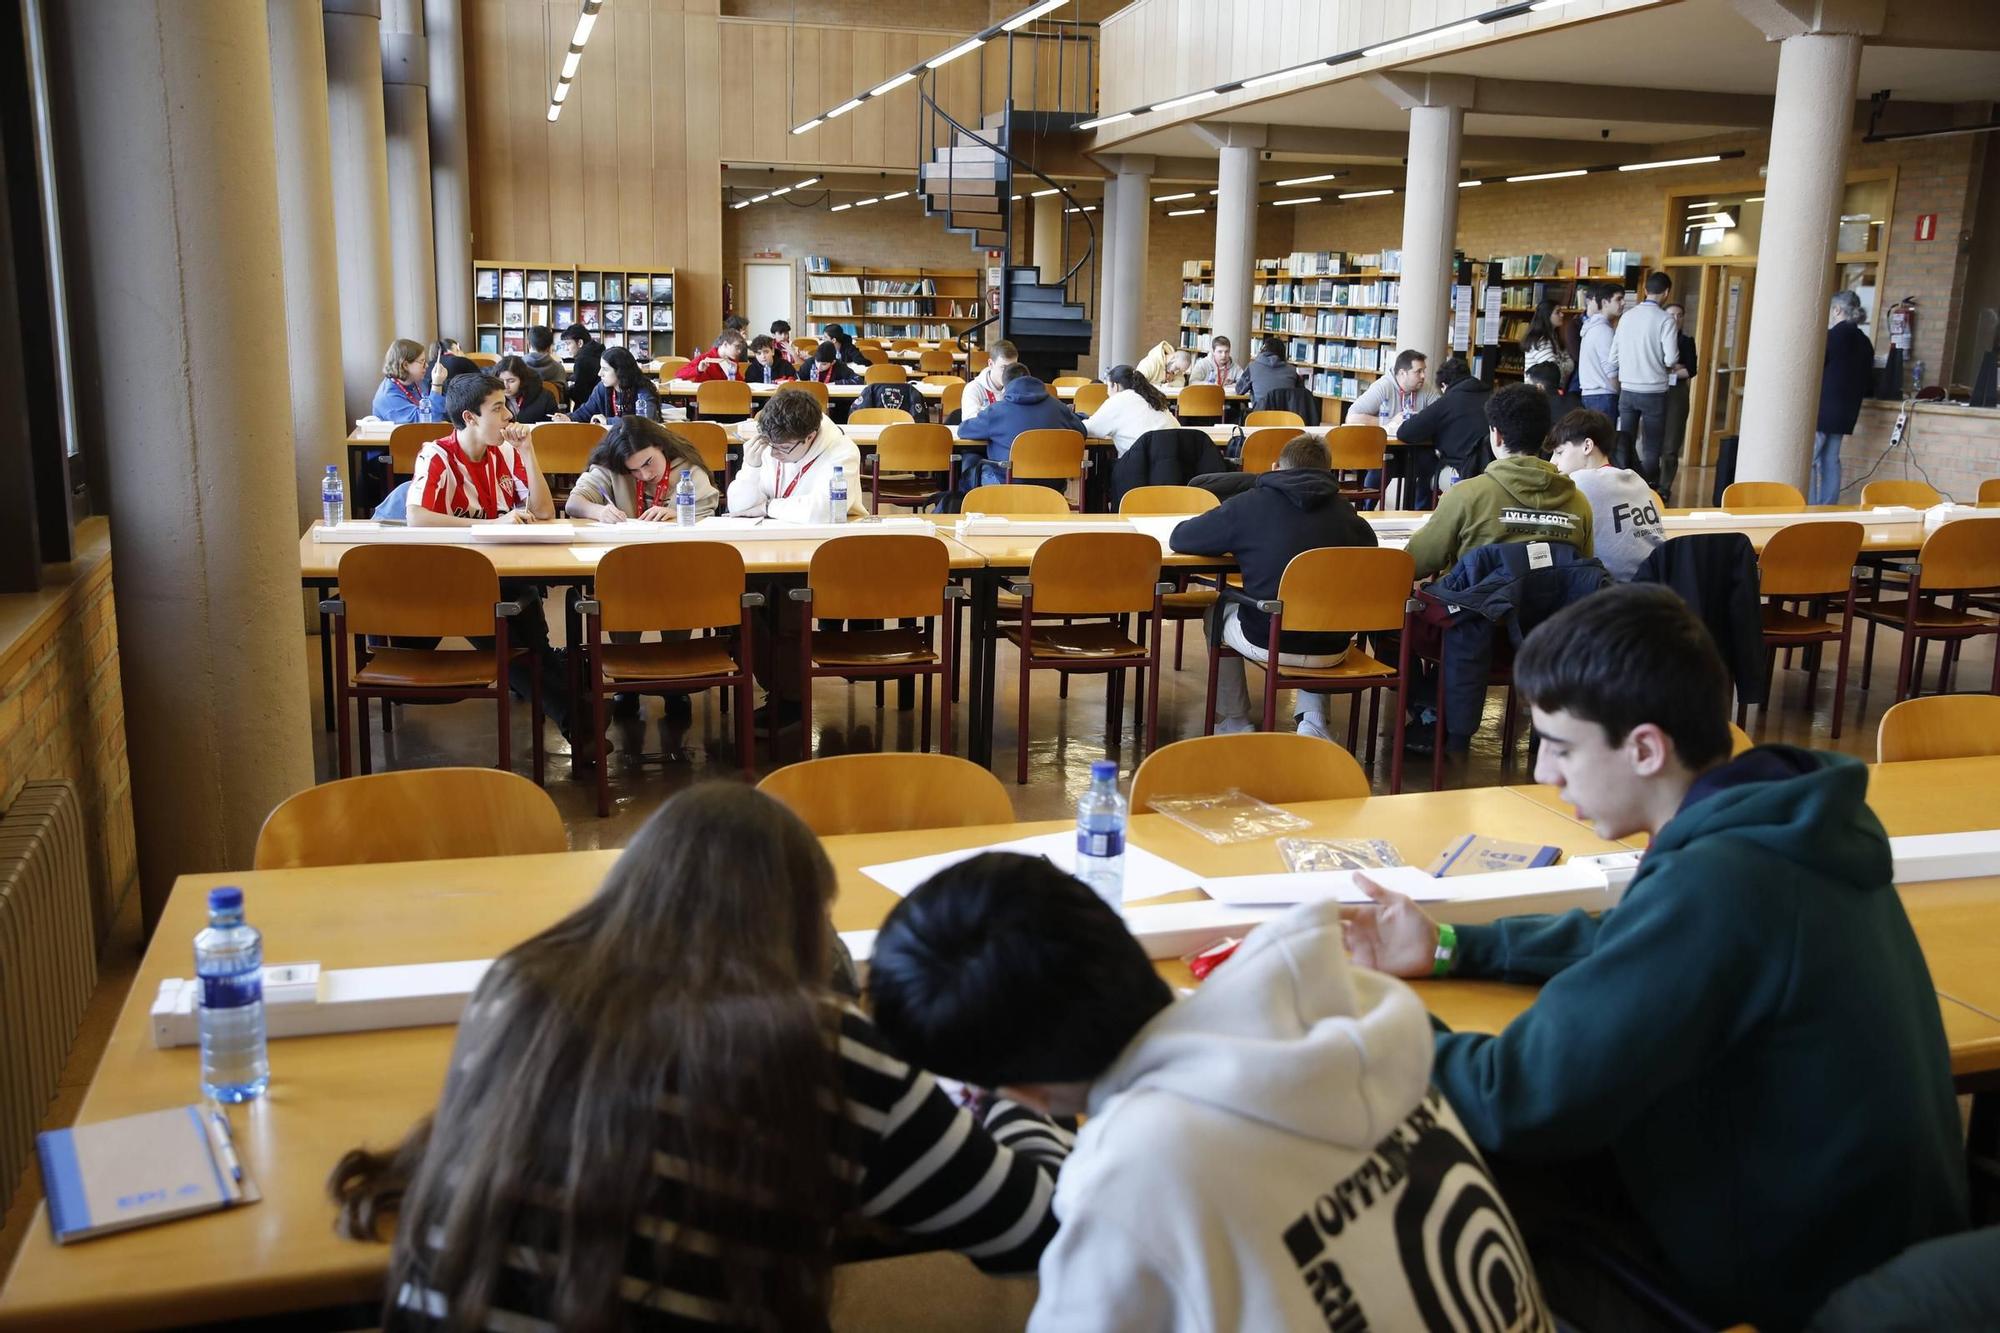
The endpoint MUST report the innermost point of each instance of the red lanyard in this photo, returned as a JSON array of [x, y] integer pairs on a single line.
[[408, 393], [661, 492], [786, 494], [614, 404]]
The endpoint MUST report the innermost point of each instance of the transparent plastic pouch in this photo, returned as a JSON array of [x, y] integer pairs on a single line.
[[1303, 855], [1229, 816]]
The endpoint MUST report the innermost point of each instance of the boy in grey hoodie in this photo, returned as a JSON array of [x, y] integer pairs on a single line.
[[1266, 1154]]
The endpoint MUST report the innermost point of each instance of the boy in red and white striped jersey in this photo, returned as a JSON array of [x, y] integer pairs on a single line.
[[485, 470]]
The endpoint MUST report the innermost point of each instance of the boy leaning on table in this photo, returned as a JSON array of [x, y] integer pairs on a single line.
[[1739, 1075]]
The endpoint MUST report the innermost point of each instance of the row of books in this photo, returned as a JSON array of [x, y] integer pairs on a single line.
[[1327, 291], [519, 315], [1330, 324], [886, 287], [817, 263], [1333, 384], [894, 308], [1371, 357], [922, 332], [1528, 266], [833, 286], [828, 308], [515, 284]]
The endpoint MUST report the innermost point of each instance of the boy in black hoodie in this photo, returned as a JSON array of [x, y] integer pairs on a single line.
[[1739, 1074], [1295, 507]]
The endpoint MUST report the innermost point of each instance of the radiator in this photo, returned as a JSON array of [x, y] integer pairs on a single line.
[[48, 960]]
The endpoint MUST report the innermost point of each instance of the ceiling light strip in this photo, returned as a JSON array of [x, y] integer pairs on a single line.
[[573, 57]]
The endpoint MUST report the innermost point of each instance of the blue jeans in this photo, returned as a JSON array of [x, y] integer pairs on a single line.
[[1607, 403], [1642, 429], [1825, 469]]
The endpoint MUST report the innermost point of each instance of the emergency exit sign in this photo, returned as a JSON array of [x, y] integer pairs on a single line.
[[1927, 226]]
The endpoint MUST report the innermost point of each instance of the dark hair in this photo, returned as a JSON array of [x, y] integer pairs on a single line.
[[780, 326], [541, 337], [531, 380], [1003, 970], [835, 332], [1306, 451], [696, 978], [1631, 654], [1520, 412], [1408, 357], [729, 336], [1584, 424], [1220, 340], [1544, 376], [629, 435], [1603, 291], [1004, 351], [1452, 371], [1272, 347], [1015, 371], [789, 416], [1125, 377], [762, 342], [1542, 328], [625, 367], [577, 333], [826, 353], [736, 322], [468, 393], [1658, 283]]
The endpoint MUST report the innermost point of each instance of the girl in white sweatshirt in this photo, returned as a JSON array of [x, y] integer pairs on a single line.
[[1133, 408]]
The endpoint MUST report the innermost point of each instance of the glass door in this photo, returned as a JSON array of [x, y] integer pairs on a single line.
[[1725, 351]]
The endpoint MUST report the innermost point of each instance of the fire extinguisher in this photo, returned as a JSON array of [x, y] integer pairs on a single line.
[[1902, 337], [728, 299]]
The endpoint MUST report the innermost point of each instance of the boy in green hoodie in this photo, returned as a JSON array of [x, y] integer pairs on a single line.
[[1742, 1065], [1518, 498]]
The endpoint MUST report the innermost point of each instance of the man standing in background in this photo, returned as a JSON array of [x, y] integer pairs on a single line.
[[1848, 374], [1597, 352], [1645, 350], [1677, 405]]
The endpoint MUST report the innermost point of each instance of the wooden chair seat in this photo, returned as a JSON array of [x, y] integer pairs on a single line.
[[870, 647], [674, 660], [1191, 603], [907, 490], [1100, 641], [432, 668], [1891, 610], [1780, 624], [1359, 664]]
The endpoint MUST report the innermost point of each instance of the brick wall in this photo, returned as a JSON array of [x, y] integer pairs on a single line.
[[62, 715], [1953, 448]]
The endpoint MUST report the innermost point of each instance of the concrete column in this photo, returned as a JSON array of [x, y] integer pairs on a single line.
[[1430, 230], [1107, 274], [1809, 129], [451, 195], [1235, 245], [163, 109], [406, 74], [359, 148], [1048, 237], [1129, 336], [305, 224]]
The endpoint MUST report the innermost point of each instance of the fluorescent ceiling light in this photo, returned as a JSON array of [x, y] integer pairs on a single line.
[[1312, 180], [1470, 185], [863, 203], [810, 180], [1172, 198], [1104, 120], [812, 124], [1754, 199], [1705, 203], [1213, 193], [1185, 212], [555, 110], [1272, 77], [892, 84], [844, 108], [840, 208], [1365, 194], [1030, 14], [968, 45], [1670, 162], [1541, 5], [900, 194], [570, 62], [562, 92], [760, 198], [1041, 193], [1439, 34], [584, 23], [1546, 176], [1019, 197], [1309, 199], [745, 203], [786, 190], [1087, 208], [1171, 103]]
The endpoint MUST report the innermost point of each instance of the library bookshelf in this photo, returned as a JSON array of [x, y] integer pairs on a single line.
[[934, 304], [622, 307], [1336, 314]]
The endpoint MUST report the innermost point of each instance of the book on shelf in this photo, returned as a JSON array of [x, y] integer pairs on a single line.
[[614, 318], [565, 316], [486, 284], [817, 263], [663, 289], [637, 290], [884, 287], [640, 346], [514, 315], [1528, 266], [828, 308], [635, 317], [614, 339], [538, 286], [586, 289], [565, 286], [588, 316], [538, 312], [1195, 268], [663, 317], [614, 288], [489, 341], [511, 284], [878, 308], [514, 343], [833, 285], [965, 310]]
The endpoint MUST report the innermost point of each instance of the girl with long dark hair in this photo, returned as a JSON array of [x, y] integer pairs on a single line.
[[527, 397], [1132, 408], [621, 391], [1544, 340], [634, 472]]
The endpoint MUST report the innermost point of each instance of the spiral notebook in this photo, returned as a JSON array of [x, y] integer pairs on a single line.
[[141, 1169]]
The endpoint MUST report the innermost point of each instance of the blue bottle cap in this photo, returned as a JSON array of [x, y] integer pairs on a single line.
[[333, 468], [1101, 770], [225, 900]]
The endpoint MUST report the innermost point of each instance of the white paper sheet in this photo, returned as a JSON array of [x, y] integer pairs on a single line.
[[1146, 875]]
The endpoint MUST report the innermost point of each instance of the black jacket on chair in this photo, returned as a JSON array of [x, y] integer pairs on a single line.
[[1295, 397], [1164, 458], [1455, 423], [1716, 574], [904, 396]]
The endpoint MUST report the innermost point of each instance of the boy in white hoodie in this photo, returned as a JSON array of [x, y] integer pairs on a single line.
[[1266, 1154]]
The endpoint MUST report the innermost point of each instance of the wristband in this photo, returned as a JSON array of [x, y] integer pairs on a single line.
[[1447, 950]]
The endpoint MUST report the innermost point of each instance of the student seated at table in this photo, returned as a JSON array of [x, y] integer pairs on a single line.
[[1131, 408], [585, 355], [1269, 374], [634, 473], [1165, 366], [766, 366], [1451, 428], [718, 362], [621, 391], [1025, 403], [781, 339], [843, 342], [1738, 1075], [527, 397], [412, 388], [827, 368], [541, 357], [1625, 514], [1295, 507], [664, 1111], [790, 451], [1265, 1154], [1218, 367], [1518, 498], [983, 390]]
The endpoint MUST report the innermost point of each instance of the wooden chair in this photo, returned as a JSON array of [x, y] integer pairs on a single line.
[[1090, 397], [953, 399], [671, 365], [889, 793], [879, 416], [938, 361], [1357, 451], [1959, 559], [1739, 740], [407, 440], [905, 345], [422, 814], [1915, 494], [558, 391], [1280, 767], [977, 360], [1811, 563], [484, 360], [1273, 417], [1762, 495], [1069, 381], [803, 349], [1337, 589], [668, 586], [423, 592], [1989, 493], [884, 373], [1184, 603], [1261, 450], [921, 454], [1115, 574], [883, 577], [1046, 455], [1022, 499], [946, 380], [723, 400], [873, 355], [711, 441], [1201, 402], [816, 389], [563, 448], [1944, 726]]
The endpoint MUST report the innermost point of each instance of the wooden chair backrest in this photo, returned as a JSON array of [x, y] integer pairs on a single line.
[[1917, 494], [723, 398], [1809, 559], [889, 793], [1047, 454], [1965, 554], [1004, 499], [710, 440], [815, 388], [1202, 400], [874, 356], [484, 360], [953, 399], [1069, 381], [1989, 493], [1353, 588], [1940, 726], [1761, 495], [563, 447], [938, 361], [1261, 449], [803, 349], [914, 447], [1094, 573], [670, 364], [418, 814], [418, 590], [1357, 448], [885, 374], [670, 585], [1274, 766], [904, 344], [1167, 500], [882, 577], [1274, 417], [1739, 740], [557, 390], [1090, 397], [977, 360], [943, 379], [407, 439], [879, 416]]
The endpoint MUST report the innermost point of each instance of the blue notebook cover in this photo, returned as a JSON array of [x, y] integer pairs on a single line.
[[118, 1174]]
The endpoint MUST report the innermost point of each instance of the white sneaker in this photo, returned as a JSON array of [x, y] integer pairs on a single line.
[[1233, 726], [1313, 724]]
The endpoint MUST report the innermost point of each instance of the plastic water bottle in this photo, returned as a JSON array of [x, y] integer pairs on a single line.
[[1100, 835], [332, 498], [684, 501], [836, 496], [229, 963]]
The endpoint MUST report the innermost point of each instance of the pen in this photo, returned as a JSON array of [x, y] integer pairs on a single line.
[[229, 1158]]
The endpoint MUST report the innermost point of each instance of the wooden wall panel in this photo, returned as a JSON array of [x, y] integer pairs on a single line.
[[771, 110], [739, 131], [670, 207], [698, 299]]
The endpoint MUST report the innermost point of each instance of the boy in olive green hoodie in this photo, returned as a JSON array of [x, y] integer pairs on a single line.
[[1741, 1069], [1518, 498]]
